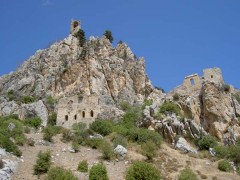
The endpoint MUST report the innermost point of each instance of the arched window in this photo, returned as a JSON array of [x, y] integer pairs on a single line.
[[91, 113], [75, 117], [83, 114], [66, 117], [211, 76]]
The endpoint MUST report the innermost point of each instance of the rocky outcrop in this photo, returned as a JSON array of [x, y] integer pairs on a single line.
[[184, 146], [218, 110], [65, 69], [36, 109]]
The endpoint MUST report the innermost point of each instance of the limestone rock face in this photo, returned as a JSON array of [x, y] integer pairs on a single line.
[[65, 69], [218, 110]]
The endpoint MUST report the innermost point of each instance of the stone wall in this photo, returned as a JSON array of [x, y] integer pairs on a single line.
[[77, 109], [75, 26], [192, 82], [213, 75]]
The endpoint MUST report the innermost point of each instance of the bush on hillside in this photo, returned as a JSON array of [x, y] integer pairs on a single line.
[[118, 139], [125, 106], [52, 119], [83, 166], [141, 135], [170, 107], [206, 142], [59, 173], [149, 149], [66, 135], [142, 170], [187, 174], [28, 99], [98, 172], [107, 150], [224, 165], [43, 163], [34, 122], [103, 127], [50, 131]]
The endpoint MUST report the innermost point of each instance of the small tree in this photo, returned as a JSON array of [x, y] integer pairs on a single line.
[[108, 35], [98, 172], [81, 37], [224, 165], [43, 163]]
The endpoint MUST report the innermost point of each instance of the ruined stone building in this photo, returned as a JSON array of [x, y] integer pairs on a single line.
[[194, 82], [77, 109]]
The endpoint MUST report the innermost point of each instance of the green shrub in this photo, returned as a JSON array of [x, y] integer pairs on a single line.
[[34, 122], [20, 140], [108, 35], [119, 140], [121, 129], [187, 174], [52, 119], [67, 135], [103, 127], [141, 135], [206, 142], [130, 119], [224, 165], [50, 131], [81, 37], [234, 154], [28, 99], [147, 102], [76, 146], [98, 172], [170, 107], [58, 173], [125, 106], [50, 101], [83, 166], [221, 151], [27, 129], [11, 95], [107, 150], [142, 170], [176, 97], [94, 142], [7, 144], [43, 163], [149, 149]]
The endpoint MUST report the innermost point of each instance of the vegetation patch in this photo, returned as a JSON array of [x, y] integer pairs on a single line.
[[187, 174], [170, 107], [224, 165], [98, 172], [142, 170], [43, 163], [83, 166], [103, 127], [34, 122], [59, 173]]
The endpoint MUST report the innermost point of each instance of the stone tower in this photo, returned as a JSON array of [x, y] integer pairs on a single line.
[[75, 26], [213, 75]]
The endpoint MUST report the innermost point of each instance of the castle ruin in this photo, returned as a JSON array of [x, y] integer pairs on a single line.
[[194, 82], [75, 27], [77, 109]]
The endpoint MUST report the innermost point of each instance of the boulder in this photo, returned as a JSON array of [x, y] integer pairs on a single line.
[[184, 146], [36, 109], [121, 151]]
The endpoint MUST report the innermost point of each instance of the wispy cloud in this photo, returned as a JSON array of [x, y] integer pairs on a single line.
[[47, 2]]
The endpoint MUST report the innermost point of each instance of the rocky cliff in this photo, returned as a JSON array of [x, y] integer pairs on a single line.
[[65, 69]]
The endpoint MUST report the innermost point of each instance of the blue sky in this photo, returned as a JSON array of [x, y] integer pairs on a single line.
[[176, 37]]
